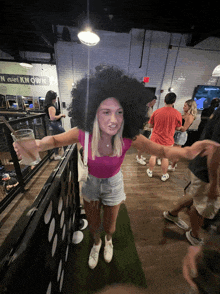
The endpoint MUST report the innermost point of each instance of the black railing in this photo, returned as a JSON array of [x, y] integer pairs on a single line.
[[34, 256], [19, 120]]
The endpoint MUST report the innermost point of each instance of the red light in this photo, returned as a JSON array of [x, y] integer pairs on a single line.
[[146, 79]]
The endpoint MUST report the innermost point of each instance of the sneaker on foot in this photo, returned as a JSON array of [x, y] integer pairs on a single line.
[[165, 177], [140, 160], [144, 158], [57, 157], [149, 173], [158, 161], [176, 220], [108, 250], [170, 168], [94, 255], [193, 240]]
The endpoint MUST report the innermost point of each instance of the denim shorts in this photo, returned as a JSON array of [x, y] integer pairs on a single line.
[[109, 191], [180, 138]]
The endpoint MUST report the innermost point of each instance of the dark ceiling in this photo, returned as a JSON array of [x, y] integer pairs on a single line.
[[31, 25]]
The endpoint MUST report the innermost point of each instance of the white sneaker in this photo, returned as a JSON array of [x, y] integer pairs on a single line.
[[94, 255], [170, 168], [165, 177], [158, 161], [55, 157], [149, 173], [193, 240], [140, 160], [108, 250], [144, 158]]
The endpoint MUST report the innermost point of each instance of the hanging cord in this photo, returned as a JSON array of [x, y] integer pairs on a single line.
[[177, 55], [86, 143]]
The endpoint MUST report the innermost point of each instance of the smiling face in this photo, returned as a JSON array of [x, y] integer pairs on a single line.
[[110, 116]]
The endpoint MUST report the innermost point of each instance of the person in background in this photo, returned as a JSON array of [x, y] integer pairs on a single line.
[[147, 131], [113, 128], [189, 115], [203, 198], [54, 115], [164, 122], [9, 183], [206, 113]]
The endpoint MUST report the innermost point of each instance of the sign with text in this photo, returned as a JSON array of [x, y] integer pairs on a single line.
[[24, 80]]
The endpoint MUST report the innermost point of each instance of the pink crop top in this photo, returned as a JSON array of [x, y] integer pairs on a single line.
[[105, 166]]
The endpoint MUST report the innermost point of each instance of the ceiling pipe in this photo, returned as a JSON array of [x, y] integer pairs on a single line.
[[142, 53], [148, 58]]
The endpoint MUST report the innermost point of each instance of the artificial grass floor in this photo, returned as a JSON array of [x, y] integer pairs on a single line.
[[125, 266]]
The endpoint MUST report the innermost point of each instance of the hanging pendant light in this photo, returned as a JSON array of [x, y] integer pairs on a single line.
[[87, 36], [216, 71]]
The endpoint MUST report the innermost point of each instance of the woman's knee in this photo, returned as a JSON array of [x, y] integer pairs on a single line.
[[109, 227]]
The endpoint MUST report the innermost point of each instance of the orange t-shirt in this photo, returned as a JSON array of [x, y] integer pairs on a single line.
[[165, 120]]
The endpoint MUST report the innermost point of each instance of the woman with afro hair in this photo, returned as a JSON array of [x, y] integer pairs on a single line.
[[113, 116]]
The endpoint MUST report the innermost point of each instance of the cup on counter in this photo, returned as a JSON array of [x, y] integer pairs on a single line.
[[27, 146]]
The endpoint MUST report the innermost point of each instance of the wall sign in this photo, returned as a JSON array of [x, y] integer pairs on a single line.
[[146, 79], [24, 80]]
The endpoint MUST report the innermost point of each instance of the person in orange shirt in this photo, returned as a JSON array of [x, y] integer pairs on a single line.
[[164, 122]]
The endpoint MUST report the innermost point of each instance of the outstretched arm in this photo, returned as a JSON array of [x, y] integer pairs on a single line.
[[213, 161], [50, 142], [64, 139], [173, 153]]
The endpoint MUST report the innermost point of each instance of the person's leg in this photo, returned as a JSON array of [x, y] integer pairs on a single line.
[[109, 225], [152, 162], [172, 215], [57, 129], [92, 210], [164, 165], [170, 168], [109, 219], [140, 158], [186, 202], [196, 221]]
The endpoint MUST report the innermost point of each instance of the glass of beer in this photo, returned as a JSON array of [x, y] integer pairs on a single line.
[[27, 146]]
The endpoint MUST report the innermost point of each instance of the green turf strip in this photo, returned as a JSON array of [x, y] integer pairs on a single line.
[[125, 266]]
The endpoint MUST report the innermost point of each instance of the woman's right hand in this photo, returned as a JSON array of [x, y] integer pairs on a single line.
[[25, 148]]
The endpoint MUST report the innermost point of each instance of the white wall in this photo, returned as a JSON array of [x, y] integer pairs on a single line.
[[166, 60]]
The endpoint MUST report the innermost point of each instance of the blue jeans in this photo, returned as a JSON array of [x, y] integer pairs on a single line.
[[57, 129]]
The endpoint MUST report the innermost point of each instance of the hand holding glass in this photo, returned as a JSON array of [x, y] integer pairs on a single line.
[[26, 145]]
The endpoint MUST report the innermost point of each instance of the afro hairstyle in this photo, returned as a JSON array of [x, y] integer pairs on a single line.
[[106, 82]]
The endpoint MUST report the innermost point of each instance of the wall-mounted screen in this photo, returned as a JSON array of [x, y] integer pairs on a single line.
[[203, 95]]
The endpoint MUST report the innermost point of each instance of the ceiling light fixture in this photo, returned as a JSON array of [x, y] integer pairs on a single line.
[[88, 37], [216, 71], [26, 65]]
